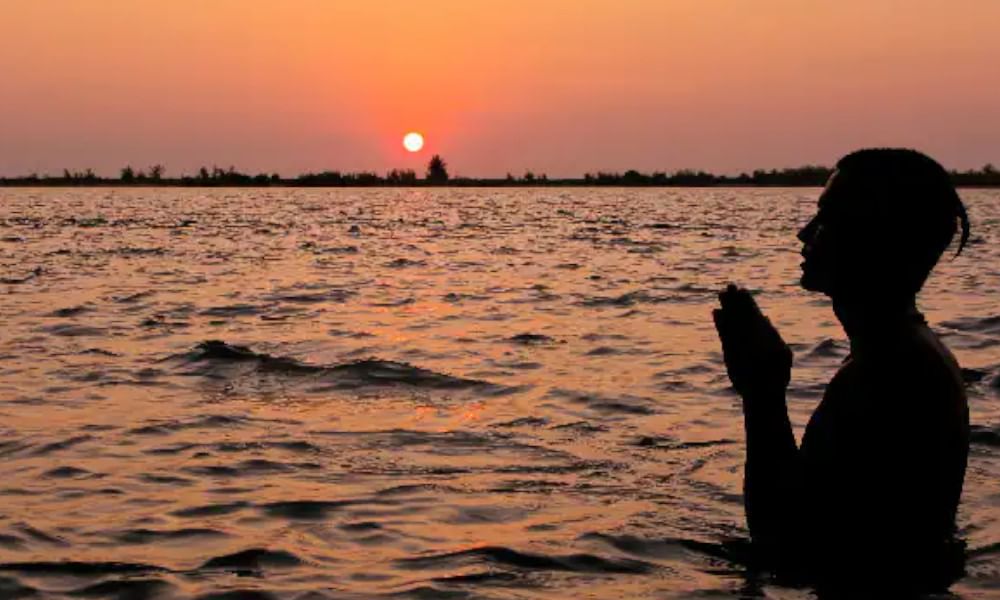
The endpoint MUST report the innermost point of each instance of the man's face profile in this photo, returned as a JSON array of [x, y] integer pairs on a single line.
[[822, 239]]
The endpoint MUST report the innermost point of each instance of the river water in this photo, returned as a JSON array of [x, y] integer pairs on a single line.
[[455, 393]]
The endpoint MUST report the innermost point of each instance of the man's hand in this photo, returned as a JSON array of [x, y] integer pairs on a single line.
[[758, 361]]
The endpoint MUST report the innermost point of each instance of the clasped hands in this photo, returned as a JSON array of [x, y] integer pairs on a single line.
[[758, 361]]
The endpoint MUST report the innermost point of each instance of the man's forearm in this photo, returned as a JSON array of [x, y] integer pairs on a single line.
[[766, 422], [771, 480]]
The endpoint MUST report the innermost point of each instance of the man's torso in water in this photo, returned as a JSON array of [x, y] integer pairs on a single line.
[[884, 456]]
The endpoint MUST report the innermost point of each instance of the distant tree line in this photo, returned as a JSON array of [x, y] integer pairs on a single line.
[[437, 174]]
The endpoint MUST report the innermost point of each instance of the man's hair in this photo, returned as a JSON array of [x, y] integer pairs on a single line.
[[914, 203]]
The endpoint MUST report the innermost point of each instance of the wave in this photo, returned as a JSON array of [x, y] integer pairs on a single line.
[[500, 555], [975, 324], [734, 550], [37, 271], [79, 568], [61, 445], [305, 510], [985, 436], [126, 588], [148, 536], [239, 594], [981, 377], [825, 349], [253, 560], [210, 355], [73, 330], [336, 296], [529, 339], [211, 510], [205, 422], [622, 404], [667, 443], [625, 300], [70, 472], [70, 311]]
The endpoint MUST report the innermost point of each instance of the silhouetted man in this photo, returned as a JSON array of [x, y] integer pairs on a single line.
[[870, 496]]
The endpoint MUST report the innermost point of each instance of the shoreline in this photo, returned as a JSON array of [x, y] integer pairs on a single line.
[[470, 184]]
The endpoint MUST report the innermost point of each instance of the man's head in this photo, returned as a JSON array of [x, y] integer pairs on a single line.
[[884, 219]]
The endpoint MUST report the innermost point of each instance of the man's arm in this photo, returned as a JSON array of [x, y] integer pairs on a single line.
[[771, 480], [759, 365]]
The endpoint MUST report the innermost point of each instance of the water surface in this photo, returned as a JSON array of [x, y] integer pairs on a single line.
[[461, 393]]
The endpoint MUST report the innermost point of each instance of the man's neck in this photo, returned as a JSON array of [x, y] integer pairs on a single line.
[[869, 320]]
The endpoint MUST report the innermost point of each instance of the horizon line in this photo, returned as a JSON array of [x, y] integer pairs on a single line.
[[801, 176]]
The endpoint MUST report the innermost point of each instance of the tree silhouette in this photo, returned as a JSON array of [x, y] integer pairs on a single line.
[[401, 177], [437, 170], [437, 174]]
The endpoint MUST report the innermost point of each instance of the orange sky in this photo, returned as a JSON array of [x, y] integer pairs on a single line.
[[557, 86]]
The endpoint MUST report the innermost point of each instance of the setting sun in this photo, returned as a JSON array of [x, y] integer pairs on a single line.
[[413, 141]]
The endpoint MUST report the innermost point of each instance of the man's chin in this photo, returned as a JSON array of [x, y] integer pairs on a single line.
[[811, 283]]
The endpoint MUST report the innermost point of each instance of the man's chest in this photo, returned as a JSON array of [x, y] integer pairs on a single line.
[[832, 420]]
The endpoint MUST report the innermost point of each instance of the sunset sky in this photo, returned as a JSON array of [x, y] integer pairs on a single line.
[[556, 86]]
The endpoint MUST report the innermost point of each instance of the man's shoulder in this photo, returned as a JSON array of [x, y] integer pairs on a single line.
[[915, 356], [916, 373]]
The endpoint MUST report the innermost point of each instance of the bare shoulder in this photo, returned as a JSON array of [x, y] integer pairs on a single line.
[[915, 370], [927, 351]]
